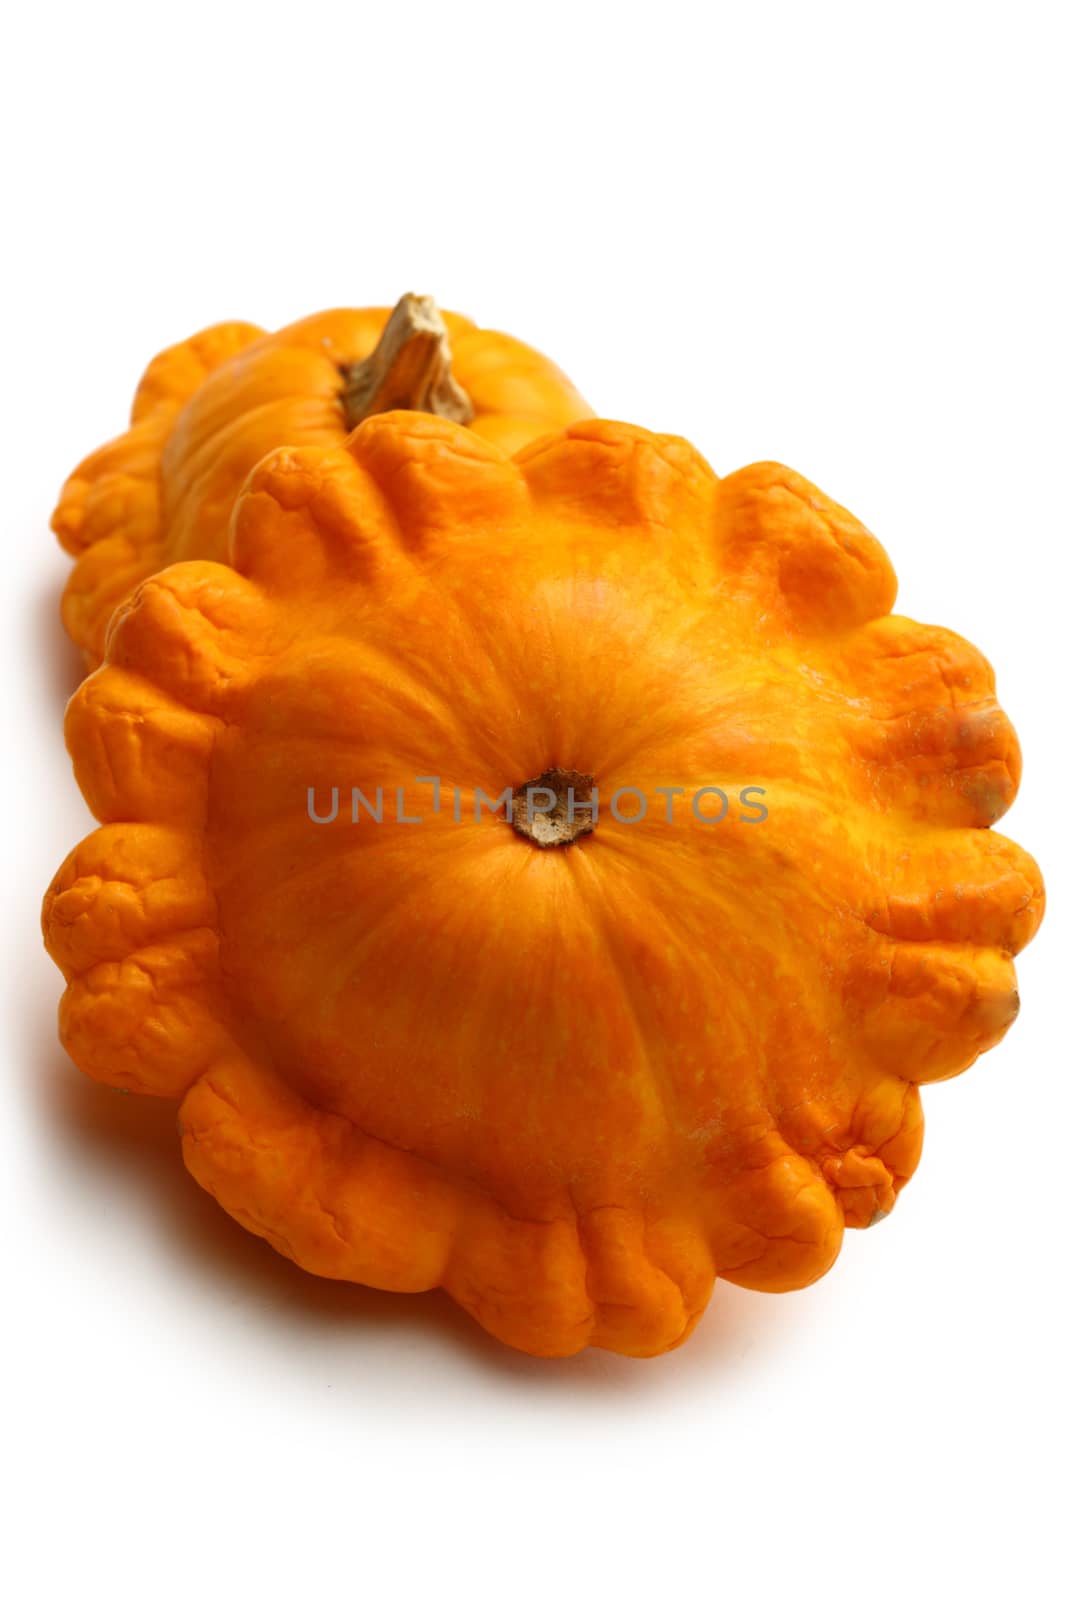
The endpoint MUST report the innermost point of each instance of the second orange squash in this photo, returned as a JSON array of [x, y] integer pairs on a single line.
[[209, 409]]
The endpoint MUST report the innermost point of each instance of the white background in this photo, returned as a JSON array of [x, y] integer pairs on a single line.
[[831, 235]]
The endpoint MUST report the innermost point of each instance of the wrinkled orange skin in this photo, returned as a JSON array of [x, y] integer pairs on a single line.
[[572, 1086], [209, 409]]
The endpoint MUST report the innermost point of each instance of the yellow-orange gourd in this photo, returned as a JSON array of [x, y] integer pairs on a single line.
[[209, 409], [573, 1084]]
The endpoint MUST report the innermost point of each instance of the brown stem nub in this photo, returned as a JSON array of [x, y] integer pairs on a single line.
[[544, 812], [409, 369]]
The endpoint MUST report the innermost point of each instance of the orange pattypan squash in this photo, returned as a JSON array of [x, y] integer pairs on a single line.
[[570, 1068], [209, 409]]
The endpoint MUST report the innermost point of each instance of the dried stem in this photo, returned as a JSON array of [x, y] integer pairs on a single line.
[[409, 369]]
